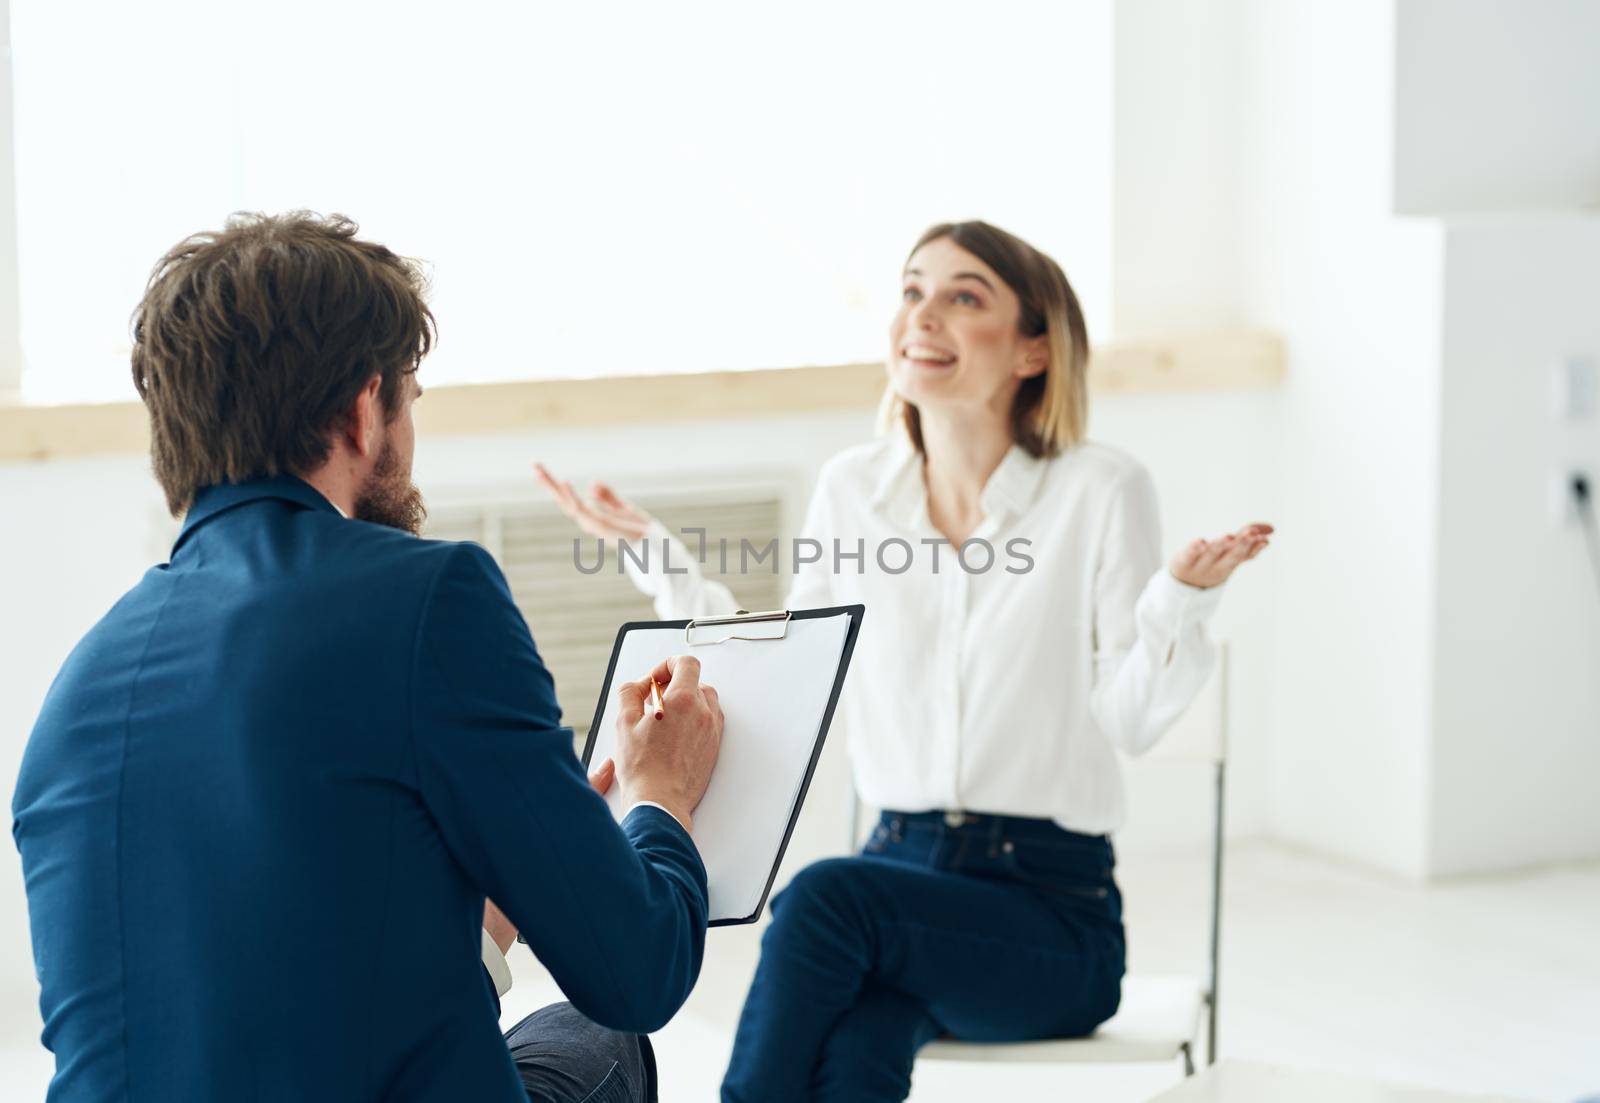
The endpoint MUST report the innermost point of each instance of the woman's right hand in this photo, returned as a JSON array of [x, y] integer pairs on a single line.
[[607, 515]]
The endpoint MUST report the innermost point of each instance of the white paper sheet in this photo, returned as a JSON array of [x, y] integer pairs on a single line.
[[773, 694]]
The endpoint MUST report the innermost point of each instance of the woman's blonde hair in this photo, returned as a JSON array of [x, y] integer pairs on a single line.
[[1051, 409]]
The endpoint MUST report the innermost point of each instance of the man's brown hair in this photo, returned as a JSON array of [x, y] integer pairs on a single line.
[[252, 342]]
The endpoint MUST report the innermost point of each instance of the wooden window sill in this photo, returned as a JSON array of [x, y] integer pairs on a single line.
[[1223, 361]]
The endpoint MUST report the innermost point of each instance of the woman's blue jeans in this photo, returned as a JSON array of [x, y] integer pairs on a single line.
[[995, 929]]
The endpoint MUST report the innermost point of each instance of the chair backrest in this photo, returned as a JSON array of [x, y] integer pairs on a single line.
[[1201, 733]]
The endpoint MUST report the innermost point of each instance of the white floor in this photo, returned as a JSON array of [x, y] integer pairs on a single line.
[[1485, 986]]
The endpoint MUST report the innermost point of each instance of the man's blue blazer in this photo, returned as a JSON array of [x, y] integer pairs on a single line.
[[266, 797]]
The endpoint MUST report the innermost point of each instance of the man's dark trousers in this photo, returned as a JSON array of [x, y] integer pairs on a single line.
[[564, 1058]]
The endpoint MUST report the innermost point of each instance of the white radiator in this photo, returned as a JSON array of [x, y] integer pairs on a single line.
[[574, 616]]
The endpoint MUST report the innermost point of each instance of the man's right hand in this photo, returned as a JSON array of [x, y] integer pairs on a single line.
[[669, 761]]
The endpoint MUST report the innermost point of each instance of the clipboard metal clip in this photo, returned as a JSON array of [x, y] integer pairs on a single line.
[[773, 625]]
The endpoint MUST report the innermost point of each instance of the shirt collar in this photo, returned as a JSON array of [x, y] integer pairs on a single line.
[[899, 485], [211, 500], [902, 495], [1015, 483]]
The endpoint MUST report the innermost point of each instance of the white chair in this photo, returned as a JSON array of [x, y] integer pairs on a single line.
[[1159, 1017]]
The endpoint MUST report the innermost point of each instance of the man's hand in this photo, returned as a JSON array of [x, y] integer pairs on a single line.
[[669, 761], [601, 777], [501, 929]]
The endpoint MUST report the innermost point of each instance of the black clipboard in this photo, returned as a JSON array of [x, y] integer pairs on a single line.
[[731, 625]]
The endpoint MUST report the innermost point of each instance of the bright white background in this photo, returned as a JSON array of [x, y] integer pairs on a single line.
[[1414, 694], [599, 188]]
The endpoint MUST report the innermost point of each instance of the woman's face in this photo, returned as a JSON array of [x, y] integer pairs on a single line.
[[954, 342]]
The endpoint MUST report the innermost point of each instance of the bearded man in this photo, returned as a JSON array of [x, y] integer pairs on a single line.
[[271, 793]]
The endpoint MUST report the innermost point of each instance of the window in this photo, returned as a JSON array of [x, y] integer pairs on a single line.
[[598, 189]]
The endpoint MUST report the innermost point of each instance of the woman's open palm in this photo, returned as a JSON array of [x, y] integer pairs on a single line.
[[606, 514], [1208, 563]]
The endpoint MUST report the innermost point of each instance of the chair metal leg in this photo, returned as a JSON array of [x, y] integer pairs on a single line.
[[1211, 1030], [1216, 917], [1188, 1061]]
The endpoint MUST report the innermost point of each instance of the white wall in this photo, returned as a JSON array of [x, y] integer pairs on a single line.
[[1175, 214], [1495, 105], [1433, 702], [1517, 675], [1252, 187], [1494, 112], [1355, 292], [1175, 269], [1214, 460]]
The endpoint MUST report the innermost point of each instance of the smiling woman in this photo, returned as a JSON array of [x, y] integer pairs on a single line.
[[990, 705], [598, 189]]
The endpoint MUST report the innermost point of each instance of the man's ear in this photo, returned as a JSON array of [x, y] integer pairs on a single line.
[[363, 424], [1035, 357]]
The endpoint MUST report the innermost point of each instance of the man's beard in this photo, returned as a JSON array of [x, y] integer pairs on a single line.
[[389, 498]]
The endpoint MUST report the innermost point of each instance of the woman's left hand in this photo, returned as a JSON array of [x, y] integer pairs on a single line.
[[1208, 563]]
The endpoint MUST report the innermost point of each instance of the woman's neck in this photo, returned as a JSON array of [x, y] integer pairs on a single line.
[[958, 458]]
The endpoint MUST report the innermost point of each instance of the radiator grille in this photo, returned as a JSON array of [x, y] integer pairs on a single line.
[[574, 616]]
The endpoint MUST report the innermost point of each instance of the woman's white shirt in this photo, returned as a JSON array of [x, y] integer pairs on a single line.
[[1004, 690]]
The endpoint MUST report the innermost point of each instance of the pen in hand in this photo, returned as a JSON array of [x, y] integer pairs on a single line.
[[656, 704]]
